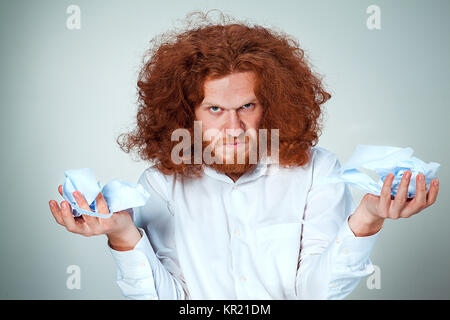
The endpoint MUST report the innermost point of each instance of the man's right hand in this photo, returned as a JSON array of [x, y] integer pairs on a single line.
[[119, 228]]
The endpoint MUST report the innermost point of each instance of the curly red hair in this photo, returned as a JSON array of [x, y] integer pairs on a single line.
[[170, 86]]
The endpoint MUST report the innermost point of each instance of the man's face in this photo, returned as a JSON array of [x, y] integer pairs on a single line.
[[231, 109]]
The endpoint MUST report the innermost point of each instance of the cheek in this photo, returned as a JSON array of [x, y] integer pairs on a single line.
[[203, 117], [211, 125], [253, 121], [254, 118], [211, 131], [198, 115]]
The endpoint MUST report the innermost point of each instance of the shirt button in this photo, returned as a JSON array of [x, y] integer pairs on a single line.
[[338, 240], [234, 187], [345, 251], [237, 232], [243, 279]]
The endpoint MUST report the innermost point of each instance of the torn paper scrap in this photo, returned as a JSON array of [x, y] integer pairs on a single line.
[[119, 195], [383, 160]]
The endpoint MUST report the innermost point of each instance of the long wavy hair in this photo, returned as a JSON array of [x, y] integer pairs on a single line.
[[171, 79]]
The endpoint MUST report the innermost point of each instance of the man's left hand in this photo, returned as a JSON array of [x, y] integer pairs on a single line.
[[373, 210]]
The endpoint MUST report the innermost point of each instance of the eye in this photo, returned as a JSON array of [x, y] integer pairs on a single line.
[[214, 109], [247, 106]]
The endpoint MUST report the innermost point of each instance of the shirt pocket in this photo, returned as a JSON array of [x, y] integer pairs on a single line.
[[278, 248]]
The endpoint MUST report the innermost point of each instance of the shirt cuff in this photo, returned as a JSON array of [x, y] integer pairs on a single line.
[[352, 253], [134, 264]]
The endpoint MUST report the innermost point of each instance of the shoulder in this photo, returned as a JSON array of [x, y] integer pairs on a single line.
[[323, 155], [323, 161], [160, 183]]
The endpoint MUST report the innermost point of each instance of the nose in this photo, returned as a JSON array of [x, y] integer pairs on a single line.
[[234, 126]]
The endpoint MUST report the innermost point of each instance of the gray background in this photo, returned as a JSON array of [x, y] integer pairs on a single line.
[[67, 94]]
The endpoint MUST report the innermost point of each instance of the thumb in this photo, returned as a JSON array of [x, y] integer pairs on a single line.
[[370, 202], [101, 204]]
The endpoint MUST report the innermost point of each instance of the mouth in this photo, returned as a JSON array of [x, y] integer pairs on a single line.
[[235, 144]]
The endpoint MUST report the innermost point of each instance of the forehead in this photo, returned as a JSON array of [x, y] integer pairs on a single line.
[[231, 88]]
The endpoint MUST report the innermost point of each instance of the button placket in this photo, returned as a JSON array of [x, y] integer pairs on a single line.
[[237, 212]]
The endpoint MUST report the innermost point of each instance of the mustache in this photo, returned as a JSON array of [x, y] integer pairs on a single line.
[[232, 140]]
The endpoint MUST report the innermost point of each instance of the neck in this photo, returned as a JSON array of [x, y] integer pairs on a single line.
[[234, 176]]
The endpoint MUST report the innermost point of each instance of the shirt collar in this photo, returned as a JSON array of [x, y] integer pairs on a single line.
[[266, 166]]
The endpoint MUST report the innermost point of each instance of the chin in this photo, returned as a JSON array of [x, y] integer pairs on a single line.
[[232, 168], [229, 167]]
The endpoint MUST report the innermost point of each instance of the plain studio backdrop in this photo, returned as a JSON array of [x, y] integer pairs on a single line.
[[66, 94]]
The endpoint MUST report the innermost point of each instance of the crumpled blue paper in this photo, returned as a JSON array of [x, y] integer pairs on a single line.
[[119, 195], [384, 160]]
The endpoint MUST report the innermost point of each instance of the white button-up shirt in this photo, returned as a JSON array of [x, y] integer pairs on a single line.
[[272, 234]]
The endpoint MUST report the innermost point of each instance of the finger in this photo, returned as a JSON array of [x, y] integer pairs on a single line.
[[56, 212], [385, 196], [433, 192], [69, 221], [82, 203], [420, 199], [401, 195], [60, 189], [101, 204]]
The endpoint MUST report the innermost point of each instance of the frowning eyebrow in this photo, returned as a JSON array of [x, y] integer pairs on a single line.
[[207, 103]]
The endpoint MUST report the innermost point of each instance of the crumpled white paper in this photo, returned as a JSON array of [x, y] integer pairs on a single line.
[[119, 195], [384, 160]]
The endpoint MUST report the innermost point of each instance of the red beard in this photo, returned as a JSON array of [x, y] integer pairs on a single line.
[[233, 168]]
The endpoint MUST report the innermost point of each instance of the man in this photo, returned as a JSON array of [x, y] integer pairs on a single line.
[[227, 229]]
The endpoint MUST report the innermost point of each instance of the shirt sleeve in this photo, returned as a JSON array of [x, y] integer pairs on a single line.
[[140, 273], [332, 259]]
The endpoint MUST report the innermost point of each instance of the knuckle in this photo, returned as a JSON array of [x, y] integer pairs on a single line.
[[70, 229], [407, 214], [422, 205], [66, 211], [366, 196], [95, 232], [383, 214], [394, 214]]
